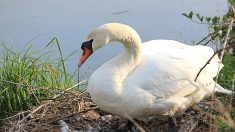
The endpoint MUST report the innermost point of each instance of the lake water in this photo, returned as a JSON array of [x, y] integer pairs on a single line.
[[38, 21]]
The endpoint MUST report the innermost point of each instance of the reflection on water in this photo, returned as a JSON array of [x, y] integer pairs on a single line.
[[37, 22]]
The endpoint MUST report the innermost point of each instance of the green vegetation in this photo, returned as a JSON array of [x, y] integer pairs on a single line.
[[29, 77], [226, 79], [228, 71]]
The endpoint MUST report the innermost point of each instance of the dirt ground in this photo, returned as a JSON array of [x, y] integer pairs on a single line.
[[76, 112]]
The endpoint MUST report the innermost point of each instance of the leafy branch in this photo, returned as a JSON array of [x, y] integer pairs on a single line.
[[202, 19]]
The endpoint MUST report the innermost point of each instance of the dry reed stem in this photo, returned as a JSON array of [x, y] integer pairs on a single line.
[[44, 109], [19, 123], [228, 119], [29, 115], [18, 114], [194, 125], [231, 98], [81, 82], [140, 128], [222, 115], [84, 111]]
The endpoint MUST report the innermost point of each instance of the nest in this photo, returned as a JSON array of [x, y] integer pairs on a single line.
[[75, 111]]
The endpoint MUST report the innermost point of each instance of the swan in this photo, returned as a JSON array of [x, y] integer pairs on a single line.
[[151, 78]]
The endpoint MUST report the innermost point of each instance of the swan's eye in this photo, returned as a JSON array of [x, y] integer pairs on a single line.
[[91, 41], [87, 44]]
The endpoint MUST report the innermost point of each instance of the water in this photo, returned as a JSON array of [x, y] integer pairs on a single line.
[[37, 22]]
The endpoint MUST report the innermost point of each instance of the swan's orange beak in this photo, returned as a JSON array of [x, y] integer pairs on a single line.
[[86, 53]]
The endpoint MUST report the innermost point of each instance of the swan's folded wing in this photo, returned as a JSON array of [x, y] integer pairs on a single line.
[[170, 69], [162, 82]]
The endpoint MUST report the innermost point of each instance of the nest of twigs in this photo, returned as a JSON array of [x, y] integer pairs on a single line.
[[75, 111]]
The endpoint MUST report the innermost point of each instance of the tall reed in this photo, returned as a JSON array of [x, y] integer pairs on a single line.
[[27, 77]]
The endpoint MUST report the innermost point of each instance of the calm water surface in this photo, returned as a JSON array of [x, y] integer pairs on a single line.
[[37, 22]]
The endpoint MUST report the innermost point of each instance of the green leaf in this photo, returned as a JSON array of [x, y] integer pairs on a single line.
[[231, 2], [198, 16], [208, 19], [215, 20], [202, 18], [216, 28], [184, 14], [190, 15]]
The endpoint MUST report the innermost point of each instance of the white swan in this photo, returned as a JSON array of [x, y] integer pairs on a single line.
[[153, 78]]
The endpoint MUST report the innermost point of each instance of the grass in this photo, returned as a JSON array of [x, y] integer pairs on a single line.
[[28, 77], [228, 71], [226, 75], [226, 80]]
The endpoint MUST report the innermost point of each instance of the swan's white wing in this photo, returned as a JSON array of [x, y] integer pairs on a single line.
[[169, 68]]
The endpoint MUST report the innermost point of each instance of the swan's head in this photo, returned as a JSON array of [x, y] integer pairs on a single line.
[[95, 40], [106, 33]]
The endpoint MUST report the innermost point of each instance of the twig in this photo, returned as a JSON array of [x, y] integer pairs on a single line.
[[211, 34], [213, 37], [232, 7], [18, 114], [226, 39], [30, 114], [231, 98], [226, 48], [194, 125], [140, 128], [76, 85], [56, 96], [84, 111], [226, 114]]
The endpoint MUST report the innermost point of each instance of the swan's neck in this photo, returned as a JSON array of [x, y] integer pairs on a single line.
[[131, 41], [122, 65], [116, 70]]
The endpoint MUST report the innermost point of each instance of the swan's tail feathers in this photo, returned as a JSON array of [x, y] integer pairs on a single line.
[[220, 89]]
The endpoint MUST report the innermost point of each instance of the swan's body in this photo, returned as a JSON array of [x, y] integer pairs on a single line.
[[153, 78]]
